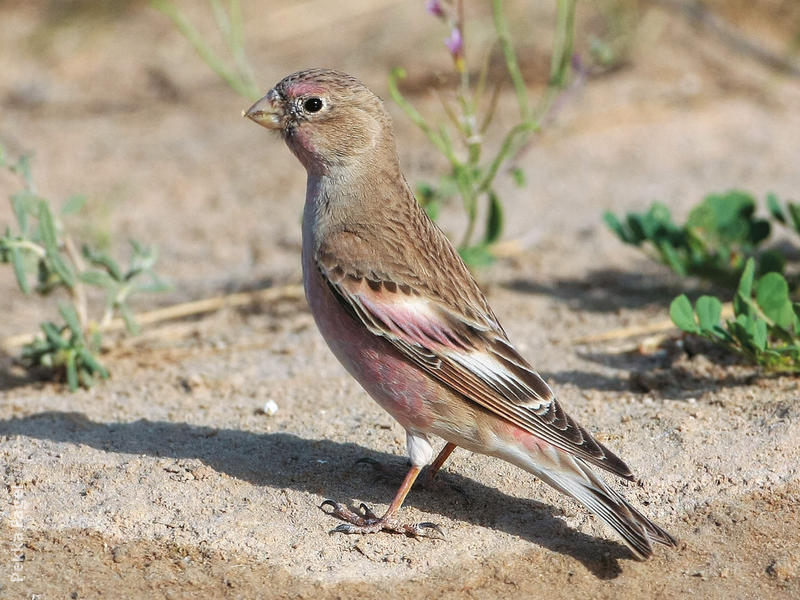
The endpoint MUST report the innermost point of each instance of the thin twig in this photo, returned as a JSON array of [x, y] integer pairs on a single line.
[[622, 333], [183, 310]]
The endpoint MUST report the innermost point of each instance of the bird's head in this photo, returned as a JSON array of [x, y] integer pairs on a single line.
[[328, 119]]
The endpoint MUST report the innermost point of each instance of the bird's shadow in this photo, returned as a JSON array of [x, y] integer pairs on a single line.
[[282, 460]]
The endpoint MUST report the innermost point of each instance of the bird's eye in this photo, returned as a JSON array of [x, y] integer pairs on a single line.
[[312, 105]]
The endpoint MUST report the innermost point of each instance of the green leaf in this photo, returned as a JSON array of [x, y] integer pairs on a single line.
[[726, 226], [155, 286], [98, 279], [742, 330], [742, 303], [50, 240], [19, 205], [636, 228], [72, 372], [101, 259], [518, 175], [760, 334], [86, 378], [92, 363], [775, 208], [671, 258], [772, 295], [680, 311], [709, 311], [73, 205], [660, 215], [794, 211], [722, 334], [615, 226], [792, 208], [494, 221], [53, 335], [746, 280], [71, 318], [18, 262]]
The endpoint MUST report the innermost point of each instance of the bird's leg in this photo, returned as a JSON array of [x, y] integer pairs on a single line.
[[429, 481], [439, 461], [368, 522]]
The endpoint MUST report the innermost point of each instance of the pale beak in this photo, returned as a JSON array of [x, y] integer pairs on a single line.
[[267, 112]]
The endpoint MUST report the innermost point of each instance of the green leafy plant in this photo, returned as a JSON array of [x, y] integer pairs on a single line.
[[461, 138], [765, 327], [788, 215], [719, 236], [40, 250], [236, 70]]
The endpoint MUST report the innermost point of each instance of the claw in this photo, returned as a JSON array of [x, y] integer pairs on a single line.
[[334, 505], [433, 527], [368, 512]]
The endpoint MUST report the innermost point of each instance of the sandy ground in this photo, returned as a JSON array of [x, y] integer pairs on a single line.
[[169, 482]]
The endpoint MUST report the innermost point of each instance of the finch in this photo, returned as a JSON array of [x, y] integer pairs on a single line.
[[402, 313]]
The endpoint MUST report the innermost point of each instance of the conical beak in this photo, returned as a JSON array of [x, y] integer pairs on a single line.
[[267, 112]]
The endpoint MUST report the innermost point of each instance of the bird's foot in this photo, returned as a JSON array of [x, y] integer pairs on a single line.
[[368, 522]]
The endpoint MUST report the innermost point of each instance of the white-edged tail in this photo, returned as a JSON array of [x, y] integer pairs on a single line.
[[574, 477]]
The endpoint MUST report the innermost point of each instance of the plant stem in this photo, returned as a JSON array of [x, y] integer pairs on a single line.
[[241, 85], [77, 291], [30, 246], [504, 36], [562, 55], [513, 140], [413, 114]]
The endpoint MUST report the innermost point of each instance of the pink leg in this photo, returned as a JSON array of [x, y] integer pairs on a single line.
[[437, 464]]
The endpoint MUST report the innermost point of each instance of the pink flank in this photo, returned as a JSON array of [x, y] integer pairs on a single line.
[[401, 388], [527, 440]]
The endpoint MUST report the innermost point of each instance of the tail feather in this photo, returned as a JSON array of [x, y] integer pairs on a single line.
[[580, 482], [636, 529]]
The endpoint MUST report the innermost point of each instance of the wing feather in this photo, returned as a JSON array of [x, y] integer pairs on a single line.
[[471, 356]]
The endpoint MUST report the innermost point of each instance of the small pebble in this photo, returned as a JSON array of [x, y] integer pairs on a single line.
[[270, 408]]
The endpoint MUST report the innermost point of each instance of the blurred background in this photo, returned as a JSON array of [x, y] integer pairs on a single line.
[[667, 100]]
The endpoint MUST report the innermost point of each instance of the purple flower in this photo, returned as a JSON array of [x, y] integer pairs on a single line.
[[434, 7], [455, 43]]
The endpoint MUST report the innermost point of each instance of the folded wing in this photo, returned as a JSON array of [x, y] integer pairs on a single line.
[[470, 354]]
